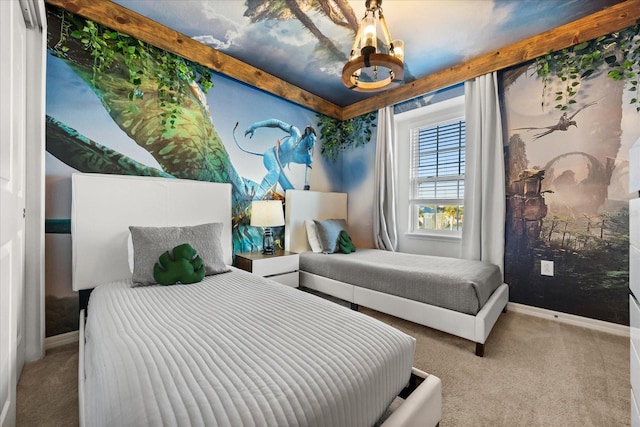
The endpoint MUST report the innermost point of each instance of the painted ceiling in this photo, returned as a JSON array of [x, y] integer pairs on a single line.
[[307, 42]]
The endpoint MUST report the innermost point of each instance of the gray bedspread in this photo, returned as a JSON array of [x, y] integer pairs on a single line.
[[452, 283]]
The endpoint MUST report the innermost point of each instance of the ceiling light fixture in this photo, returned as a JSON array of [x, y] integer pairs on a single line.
[[361, 73]]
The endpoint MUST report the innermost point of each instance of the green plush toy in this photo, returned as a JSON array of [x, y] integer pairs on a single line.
[[345, 243], [182, 266]]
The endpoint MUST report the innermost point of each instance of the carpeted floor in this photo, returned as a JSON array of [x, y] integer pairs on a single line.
[[535, 372], [48, 390]]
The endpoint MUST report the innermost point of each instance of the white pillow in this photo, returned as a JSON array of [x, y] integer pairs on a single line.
[[312, 236], [130, 252]]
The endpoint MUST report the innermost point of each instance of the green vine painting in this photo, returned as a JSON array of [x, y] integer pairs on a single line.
[[337, 135], [620, 51]]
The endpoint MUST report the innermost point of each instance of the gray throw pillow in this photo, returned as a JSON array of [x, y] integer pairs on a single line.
[[151, 242], [328, 233]]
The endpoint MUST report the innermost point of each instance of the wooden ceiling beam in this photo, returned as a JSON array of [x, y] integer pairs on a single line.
[[614, 18], [135, 25]]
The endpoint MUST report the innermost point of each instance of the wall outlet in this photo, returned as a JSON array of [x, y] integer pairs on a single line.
[[546, 268]]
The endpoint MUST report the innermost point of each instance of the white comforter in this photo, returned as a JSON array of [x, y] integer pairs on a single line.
[[236, 350]]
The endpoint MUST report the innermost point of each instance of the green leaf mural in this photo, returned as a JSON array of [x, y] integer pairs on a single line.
[[337, 135], [620, 51]]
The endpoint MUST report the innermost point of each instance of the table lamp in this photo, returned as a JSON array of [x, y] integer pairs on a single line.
[[267, 214]]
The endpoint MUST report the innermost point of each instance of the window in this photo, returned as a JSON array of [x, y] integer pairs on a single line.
[[437, 175]]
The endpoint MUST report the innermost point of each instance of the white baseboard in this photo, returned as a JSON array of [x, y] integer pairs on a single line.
[[571, 319], [60, 340]]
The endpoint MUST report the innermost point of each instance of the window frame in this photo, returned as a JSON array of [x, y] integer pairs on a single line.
[[449, 111]]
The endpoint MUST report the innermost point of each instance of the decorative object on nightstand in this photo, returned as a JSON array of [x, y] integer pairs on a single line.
[[282, 266], [267, 214]]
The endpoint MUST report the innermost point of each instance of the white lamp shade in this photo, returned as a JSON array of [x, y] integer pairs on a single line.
[[267, 213]]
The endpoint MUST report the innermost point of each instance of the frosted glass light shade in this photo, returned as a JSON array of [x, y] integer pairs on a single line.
[[369, 39], [398, 49]]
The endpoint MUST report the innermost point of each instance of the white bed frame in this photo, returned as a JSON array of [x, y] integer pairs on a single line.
[[303, 205], [103, 208]]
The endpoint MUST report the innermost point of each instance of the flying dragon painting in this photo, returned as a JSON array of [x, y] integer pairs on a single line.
[[563, 123]]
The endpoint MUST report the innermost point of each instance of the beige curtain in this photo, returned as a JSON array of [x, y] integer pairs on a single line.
[[385, 235], [484, 184]]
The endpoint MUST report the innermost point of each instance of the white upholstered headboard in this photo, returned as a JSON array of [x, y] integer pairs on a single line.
[[104, 206], [301, 205]]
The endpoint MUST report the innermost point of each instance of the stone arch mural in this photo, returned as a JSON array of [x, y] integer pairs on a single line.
[[567, 195]]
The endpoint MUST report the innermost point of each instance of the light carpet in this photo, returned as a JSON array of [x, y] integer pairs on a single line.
[[535, 372]]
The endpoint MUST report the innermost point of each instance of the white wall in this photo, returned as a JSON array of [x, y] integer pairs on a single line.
[[35, 44], [23, 32], [35, 154]]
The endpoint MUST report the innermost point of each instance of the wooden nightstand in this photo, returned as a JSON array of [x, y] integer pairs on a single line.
[[281, 267]]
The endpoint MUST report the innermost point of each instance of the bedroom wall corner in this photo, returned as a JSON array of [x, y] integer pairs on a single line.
[[357, 182]]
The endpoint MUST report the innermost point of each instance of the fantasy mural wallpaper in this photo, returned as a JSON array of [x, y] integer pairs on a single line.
[[159, 103], [307, 42], [570, 119], [116, 105]]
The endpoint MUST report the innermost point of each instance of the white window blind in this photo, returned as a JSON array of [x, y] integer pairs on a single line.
[[437, 175]]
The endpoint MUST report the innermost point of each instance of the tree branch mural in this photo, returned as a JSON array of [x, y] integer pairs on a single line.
[[158, 100], [341, 15], [85, 155]]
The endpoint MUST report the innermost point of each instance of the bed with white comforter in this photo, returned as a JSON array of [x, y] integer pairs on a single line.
[[231, 350], [235, 349]]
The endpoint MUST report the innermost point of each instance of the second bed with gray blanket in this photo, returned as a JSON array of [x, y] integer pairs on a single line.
[[452, 283], [460, 297]]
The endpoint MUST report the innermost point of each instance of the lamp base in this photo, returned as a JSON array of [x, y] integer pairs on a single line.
[[268, 246]]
